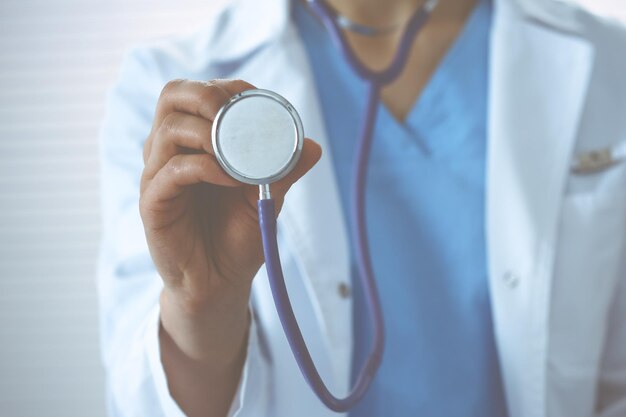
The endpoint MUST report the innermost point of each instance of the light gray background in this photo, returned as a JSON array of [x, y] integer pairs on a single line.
[[57, 58]]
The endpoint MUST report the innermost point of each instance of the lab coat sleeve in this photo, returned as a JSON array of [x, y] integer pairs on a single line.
[[612, 380], [128, 283]]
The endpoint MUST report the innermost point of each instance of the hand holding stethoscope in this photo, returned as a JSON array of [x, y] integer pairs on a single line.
[[202, 231]]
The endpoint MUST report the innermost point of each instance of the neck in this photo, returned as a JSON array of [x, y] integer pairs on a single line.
[[376, 52], [376, 13], [386, 13]]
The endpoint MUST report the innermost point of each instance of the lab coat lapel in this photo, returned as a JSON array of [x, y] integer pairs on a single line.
[[539, 80]]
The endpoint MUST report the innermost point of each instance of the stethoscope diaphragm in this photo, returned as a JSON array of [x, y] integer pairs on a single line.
[[257, 137]]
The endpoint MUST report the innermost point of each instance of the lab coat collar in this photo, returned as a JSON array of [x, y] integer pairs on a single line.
[[270, 20], [246, 26]]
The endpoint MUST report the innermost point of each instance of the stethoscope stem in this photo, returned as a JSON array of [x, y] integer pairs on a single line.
[[264, 192]]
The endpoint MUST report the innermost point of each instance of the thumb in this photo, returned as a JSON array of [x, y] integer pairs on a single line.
[[311, 153]]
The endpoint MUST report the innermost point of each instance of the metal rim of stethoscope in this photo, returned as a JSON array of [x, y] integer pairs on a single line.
[[279, 173]]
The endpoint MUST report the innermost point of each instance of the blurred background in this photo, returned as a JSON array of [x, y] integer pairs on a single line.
[[57, 59]]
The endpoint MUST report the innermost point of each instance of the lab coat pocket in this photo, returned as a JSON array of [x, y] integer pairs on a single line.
[[597, 168], [588, 259]]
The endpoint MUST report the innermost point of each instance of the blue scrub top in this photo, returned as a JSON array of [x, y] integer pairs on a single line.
[[426, 206]]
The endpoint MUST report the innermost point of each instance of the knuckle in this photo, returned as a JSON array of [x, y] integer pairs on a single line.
[[205, 164], [145, 208], [174, 166], [207, 94], [170, 124], [146, 177], [211, 99], [171, 86], [199, 160], [214, 91], [240, 85], [147, 144], [197, 165]]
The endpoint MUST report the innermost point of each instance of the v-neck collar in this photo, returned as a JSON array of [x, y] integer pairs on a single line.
[[458, 85], [453, 90]]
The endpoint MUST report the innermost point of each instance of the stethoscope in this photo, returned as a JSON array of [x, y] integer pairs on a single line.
[[257, 139]]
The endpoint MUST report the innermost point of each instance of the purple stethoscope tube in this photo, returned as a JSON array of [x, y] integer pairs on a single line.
[[267, 217]]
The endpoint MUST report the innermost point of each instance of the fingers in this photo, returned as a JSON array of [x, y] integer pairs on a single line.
[[198, 98], [192, 98], [178, 130], [202, 99], [181, 171], [183, 121], [234, 86]]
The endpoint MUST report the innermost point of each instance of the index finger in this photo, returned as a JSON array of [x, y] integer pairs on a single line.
[[199, 98]]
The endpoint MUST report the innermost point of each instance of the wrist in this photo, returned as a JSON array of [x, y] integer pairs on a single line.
[[212, 332]]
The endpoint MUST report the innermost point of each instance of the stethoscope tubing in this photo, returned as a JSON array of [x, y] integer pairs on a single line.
[[267, 221]]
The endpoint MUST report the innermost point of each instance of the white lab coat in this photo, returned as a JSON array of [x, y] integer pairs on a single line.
[[556, 240]]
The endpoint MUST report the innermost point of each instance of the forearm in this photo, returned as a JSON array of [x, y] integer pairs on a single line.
[[203, 352]]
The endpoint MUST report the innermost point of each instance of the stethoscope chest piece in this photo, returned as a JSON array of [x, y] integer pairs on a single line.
[[257, 137]]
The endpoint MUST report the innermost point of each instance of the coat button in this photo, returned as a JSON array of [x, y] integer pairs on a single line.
[[344, 290], [510, 279]]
